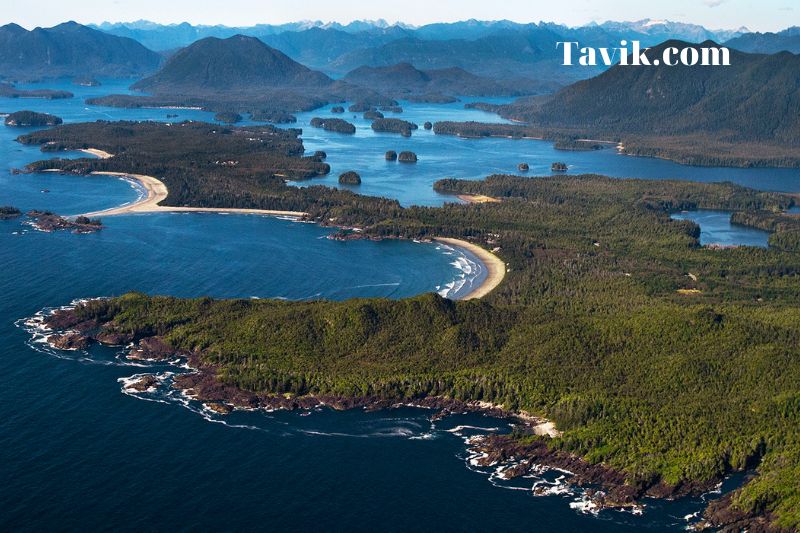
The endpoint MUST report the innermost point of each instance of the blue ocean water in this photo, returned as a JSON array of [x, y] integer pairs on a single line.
[[716, 228], [76, 452]]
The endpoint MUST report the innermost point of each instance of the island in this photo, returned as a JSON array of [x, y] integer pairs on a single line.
[[8, 212], [407, 157], [32, 119], [624, 352], [372, 115], [337, 109], [228, 117], [350, 178], [392, 108], [272, 115], [333, 124], [428, 125], [523, 167], [391, 155], [9, 91], [394, 125], [558, 166]]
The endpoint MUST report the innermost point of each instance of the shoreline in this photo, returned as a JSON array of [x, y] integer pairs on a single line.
[[496, 268], [156, 192]]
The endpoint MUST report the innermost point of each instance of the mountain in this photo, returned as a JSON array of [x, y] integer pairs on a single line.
[[70, 49], [403, 80], [768, 43], [754, 102], [238, 64], [661, 30]]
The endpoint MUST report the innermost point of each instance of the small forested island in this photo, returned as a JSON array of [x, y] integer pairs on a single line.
[[523, 167], [391, 108], [394, 125], [271, 115], [228, 117], [337, 109], [9, 91], [428, 125], [361, 107], [32, 118], [391, 155], [48, 221], [664, 365], [333, 124], [373, 115], [577, 145], [407, 157], [8, 212], [558, 166], [350, 178]]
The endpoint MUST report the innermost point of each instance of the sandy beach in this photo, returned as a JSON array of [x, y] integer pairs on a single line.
[[157, 192], [495, 266], [97, 153], [477, 199]]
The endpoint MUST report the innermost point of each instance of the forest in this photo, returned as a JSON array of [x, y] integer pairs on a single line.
[[667, 360]]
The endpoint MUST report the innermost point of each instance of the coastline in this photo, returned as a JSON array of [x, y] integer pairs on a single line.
[[156, 192], [494, 265]]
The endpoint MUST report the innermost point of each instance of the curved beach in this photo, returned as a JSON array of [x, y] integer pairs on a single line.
[[496, 268], [156, 192]]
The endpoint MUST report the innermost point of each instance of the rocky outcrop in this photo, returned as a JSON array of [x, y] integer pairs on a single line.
[[350, 178], [373, 115], [558, 167], [7, 212], [391, 155], [407, 157], [71, 340], [428, 125], [523, 167], [337, 109], [47, 221]]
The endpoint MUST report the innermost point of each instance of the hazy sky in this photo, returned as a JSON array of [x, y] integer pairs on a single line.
[[761, 15]]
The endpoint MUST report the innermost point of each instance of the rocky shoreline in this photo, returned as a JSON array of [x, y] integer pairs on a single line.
[[525, 452]]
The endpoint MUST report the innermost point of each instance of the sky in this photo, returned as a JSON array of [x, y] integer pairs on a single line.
[[757, 15]]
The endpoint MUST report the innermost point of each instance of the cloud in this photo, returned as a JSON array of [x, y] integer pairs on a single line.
[[714, 3]]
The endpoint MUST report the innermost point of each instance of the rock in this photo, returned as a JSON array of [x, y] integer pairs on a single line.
[[391, 155], [219, 408], [153, 349], [143, 383], [337, 109], [373, 115], [7, 212], [558, 167], [350, 178], [113, 338], [428, 125], [407, 157], [71, 340], [523, 167], [319, 154]]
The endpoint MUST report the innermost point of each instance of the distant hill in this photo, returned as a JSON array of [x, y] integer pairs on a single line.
[[768, 43], [240, 74], [403, 79], [502, 50], [707, 111], [238, 64], [70, 49]]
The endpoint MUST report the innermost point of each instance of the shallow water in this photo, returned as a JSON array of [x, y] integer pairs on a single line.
[[76, 452]]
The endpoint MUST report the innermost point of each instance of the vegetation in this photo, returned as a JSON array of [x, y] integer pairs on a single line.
[[8, 212], [407, 157], [591, 326], [391, 155], [350, 178], [523, 167], [700, 115], [333, 124], [9, 91], [228, 117], [32, 118], [373, 115], [394, 125], [558, 166]]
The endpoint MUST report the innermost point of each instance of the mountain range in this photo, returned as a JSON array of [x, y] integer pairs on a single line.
[[747, 109], [768, 43], [70, 49]]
